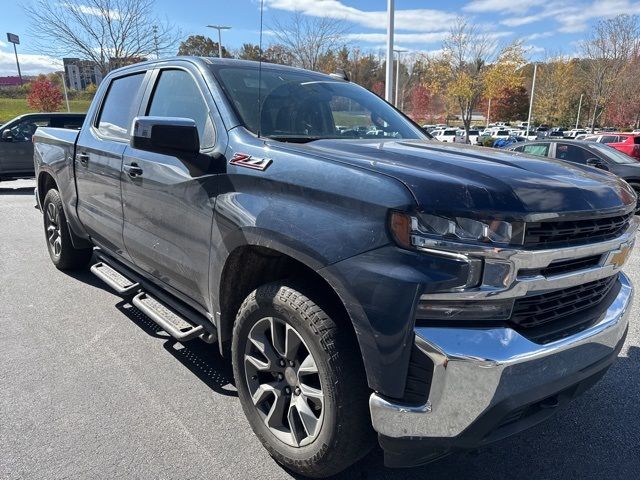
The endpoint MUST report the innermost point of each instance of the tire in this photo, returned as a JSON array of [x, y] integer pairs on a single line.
[[61, 250], [341, 431]]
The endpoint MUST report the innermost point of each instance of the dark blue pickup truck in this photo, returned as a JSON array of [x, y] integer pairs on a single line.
[[364, 280]]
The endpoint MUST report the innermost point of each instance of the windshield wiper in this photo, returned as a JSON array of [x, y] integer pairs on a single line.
[[297, 138]]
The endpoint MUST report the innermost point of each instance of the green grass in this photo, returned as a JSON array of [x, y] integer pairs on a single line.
[[351, 119], [12, 107]]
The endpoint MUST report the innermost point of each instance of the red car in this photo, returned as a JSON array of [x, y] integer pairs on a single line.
[[628, 143]]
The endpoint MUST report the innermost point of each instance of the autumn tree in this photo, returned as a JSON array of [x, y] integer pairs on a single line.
[[465, 71], [420, 99], [44, 95], [611, 45], [277, 53], [555, 91], [99, 30], [307, 39], [249, 51], [201, 46], [511, 103]]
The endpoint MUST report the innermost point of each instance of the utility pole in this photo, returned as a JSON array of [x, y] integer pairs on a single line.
[[488, 113], [155, 40], [398, 75], [64, 87], [219, 28], [533, 89], [579, 108], [15, 39], [388, 89]]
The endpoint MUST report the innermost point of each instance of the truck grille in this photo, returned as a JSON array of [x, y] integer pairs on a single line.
[[552, 307], [572, 232]]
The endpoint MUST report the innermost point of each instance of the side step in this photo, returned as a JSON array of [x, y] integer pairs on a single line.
[[173, 324], [113, 278]]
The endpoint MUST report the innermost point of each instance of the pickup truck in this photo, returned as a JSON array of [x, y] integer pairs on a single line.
[[433, 297], [16, 147]]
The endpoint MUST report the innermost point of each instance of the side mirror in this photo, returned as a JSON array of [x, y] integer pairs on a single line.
[[166, 135], [596, 162], [7, 135]]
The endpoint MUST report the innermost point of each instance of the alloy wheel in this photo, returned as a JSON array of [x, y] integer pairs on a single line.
[[53, 229], [283, 381]]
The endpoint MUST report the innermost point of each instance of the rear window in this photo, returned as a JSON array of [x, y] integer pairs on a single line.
[[449, 133], [120, 106], [540, 150], [609, 139], [636, 140]]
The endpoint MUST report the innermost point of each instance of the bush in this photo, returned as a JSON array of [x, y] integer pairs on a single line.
[[488, 141]]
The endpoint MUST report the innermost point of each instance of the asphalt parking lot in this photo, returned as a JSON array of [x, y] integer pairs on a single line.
[[90, 388]]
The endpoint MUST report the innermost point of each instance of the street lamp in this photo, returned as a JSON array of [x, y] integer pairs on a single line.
[[533, 89], [388, 90], [398, 74], [219, 28]]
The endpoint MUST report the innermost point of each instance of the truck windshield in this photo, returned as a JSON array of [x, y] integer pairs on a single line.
[[297, 106]]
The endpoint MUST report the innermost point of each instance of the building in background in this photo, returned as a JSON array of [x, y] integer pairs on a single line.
[[12, 81], [79, 73], [118, 62]]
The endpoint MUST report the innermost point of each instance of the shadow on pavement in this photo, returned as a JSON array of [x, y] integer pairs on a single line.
[[16, 191], [594, 437]]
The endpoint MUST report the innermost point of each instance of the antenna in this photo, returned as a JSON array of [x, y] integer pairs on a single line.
[[260, 73]]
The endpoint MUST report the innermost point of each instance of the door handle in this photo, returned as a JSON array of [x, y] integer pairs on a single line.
[[83, 158], [133, 170]]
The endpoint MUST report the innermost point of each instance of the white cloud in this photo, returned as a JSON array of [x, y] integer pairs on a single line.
[[502, 6], [29, 64], [416, 20], [3, 44], [95, 11]]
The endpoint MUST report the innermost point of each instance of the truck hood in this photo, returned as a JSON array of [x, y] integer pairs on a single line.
[[451, 178]]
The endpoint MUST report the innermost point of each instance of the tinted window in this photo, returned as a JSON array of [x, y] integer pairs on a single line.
[[120, 106], [608, 139], [298, 106], [24, 130], [177, 95], [540, 149], [572, 153], [67, 122]]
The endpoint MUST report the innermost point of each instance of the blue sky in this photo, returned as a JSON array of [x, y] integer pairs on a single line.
[[549, 26]]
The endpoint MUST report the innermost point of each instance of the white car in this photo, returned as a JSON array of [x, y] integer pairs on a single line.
[[574, 132], [447, 135], [473, 137]]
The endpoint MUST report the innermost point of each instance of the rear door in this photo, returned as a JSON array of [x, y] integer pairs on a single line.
[[168, 208], [98, 161]]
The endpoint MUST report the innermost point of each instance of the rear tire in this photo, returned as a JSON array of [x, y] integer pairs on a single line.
[[61, 250], [290, 361]]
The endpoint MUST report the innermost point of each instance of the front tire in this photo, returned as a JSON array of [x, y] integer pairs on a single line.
[[300, 381], [61, 250]]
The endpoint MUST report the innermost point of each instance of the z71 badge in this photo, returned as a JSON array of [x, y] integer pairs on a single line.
[[244, 160]]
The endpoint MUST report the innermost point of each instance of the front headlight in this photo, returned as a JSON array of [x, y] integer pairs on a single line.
[[415, 231]]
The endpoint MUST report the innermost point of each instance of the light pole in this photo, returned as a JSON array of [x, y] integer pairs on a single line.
[[398, 74], [579, 108], [219, 28], [388, 89], [533, 89]]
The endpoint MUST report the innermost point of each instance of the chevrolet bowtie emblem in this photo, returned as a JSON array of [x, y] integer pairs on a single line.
[[619, 257]]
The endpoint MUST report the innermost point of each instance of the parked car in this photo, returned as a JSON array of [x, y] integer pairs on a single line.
[[16, 147], [587, 153], [446, 135], [429, 296], [461, 137], [627, 143], [574, 132]]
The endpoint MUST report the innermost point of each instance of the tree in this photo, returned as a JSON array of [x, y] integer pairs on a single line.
[[201, 46], [44, 95], [249, 51], [466, 70], [420, 100], [511, 103], [278, 53], [556, 89], [307, 39], [99, 30], [612, 44]]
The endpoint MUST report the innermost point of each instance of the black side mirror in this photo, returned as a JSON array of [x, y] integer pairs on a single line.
[[7, 135], [166, 135], [596, 162]]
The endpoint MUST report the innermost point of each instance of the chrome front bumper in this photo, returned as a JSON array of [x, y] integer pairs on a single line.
[[476, 369]]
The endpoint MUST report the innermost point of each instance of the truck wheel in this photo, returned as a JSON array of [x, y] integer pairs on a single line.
[[62, 252], [301, 382]]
